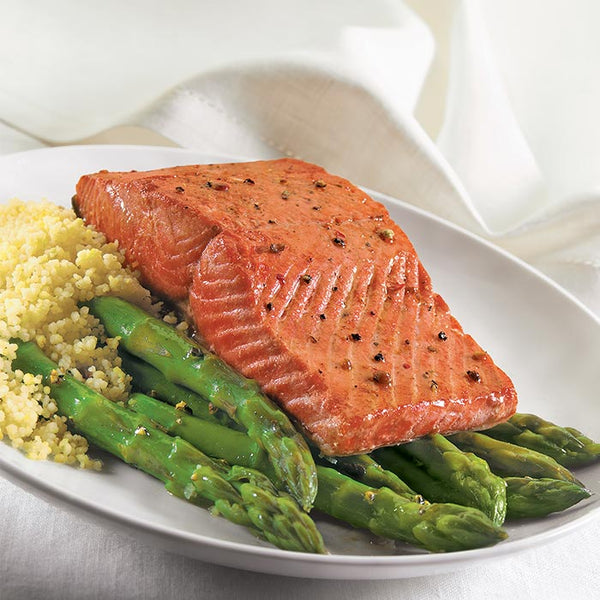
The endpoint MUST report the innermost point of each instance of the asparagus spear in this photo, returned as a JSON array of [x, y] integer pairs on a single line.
[[211, 438], [435, 527], [527, 497], [509, 460], [443, 473], [242, 495], [447, 527], [567, 446], [148, 379], [152, 382], [186, 363], [367, 470]]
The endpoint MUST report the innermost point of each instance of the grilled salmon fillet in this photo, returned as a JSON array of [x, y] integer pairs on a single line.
[[301, 281]]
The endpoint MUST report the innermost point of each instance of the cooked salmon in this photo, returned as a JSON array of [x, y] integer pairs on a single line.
[[301, 281]]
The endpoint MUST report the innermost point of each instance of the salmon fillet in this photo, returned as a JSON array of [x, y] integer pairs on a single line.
[[301, 281]]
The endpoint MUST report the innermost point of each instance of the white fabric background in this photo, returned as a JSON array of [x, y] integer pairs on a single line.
[[482, 112]]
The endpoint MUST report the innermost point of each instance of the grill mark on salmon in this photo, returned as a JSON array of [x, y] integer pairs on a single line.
[[237, 242]]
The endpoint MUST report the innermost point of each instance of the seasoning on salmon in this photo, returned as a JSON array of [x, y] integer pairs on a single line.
[[302, 300]]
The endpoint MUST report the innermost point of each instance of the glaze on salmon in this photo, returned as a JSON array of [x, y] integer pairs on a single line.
[[301, 281]]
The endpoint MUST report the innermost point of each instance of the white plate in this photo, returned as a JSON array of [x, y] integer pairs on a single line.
[[547, 341]]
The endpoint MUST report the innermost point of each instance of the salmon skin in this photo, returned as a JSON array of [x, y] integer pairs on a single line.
[[301, 281]]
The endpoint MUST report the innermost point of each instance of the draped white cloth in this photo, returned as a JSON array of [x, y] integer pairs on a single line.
[[484, 113]]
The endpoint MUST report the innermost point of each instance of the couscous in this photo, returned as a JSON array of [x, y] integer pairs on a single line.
[[49, 262]]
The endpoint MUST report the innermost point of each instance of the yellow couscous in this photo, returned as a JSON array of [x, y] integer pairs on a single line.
[[49, 262]]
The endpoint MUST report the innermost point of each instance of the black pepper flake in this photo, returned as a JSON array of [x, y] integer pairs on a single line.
[[474, 376], [249, 181], [276, 248], [220, 186], [442, 335], [320, 183], [334, 288], [269, 306], [407, 342], [339, 242], [355, 337], [195, 351], [382, 378], [272, 221], [285, 194], [433, 386], [431, 349], [312, 339], [379, 357], [256, 205], [316, 208], [179, 189], [322, 316], [306, 278]]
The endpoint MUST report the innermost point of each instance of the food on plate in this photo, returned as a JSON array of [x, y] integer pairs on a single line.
[[79, 334], [566, 445], [510, 460], [50, 261], [527, 497], [442, 472], [242, 495], [216, 440], [437, 527], [148, 379], [364, 468], [186, 363], [302, 282]]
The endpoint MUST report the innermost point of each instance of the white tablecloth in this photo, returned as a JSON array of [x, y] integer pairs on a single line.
[[482, 112]]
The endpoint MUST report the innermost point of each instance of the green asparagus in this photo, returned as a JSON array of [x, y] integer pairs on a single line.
[[528, 497], [211, 438], [241, 495], [435, 527], [567, 446], [447, 527], [367, 470], [462, 534], [441, 472], [510, 460], [151, 381], [186, 363]]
